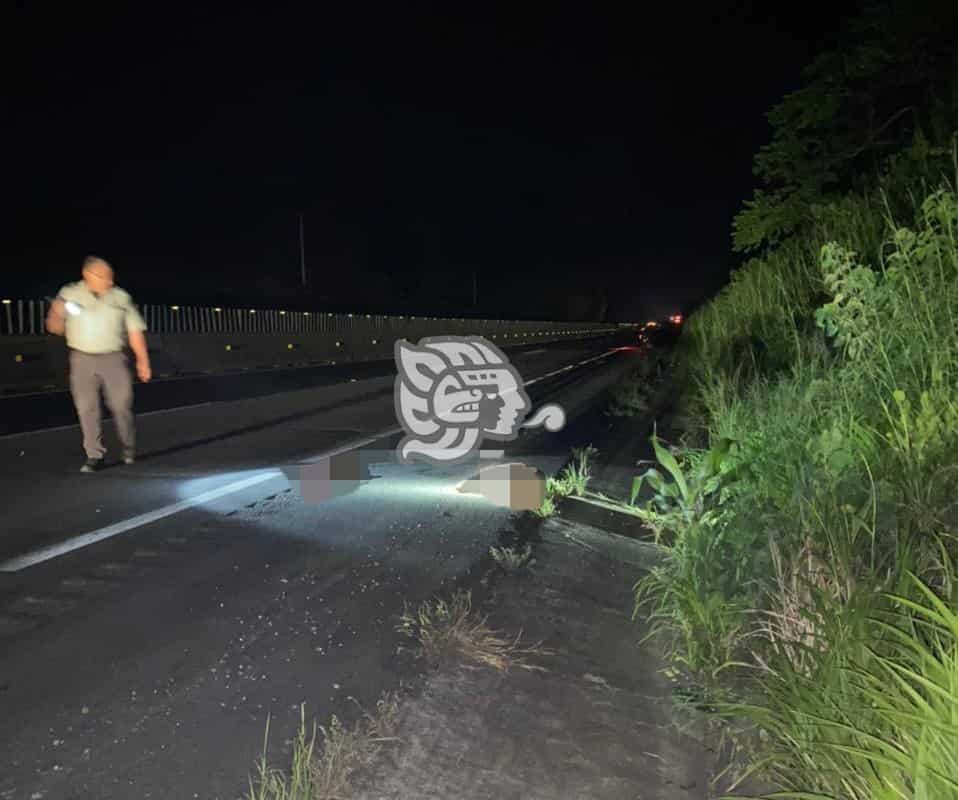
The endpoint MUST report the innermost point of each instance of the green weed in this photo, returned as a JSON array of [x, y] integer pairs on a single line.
[[575, 476], [807, 544], [326, 769]]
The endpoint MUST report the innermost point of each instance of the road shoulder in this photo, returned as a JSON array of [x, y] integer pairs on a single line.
[[598, 722]]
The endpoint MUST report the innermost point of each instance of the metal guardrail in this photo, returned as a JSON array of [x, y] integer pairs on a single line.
[[20, 317], [208, 340]]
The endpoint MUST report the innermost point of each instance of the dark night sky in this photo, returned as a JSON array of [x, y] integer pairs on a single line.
[[559, 143]]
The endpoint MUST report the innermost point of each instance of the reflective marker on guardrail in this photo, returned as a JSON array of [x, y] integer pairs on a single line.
[[27, 318]]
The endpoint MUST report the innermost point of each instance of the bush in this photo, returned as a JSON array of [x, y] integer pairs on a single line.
[[808, 541], [874, 714], [633, 397]]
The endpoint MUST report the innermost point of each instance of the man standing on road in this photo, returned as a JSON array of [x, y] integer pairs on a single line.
[[99, 319]]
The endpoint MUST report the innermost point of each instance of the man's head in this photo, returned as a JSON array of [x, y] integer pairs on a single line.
[[97, 275]]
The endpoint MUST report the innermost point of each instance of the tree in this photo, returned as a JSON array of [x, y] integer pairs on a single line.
[[895, 78]]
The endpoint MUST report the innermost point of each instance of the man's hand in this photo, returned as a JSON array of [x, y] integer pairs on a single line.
[[56, 318], [143, 370]]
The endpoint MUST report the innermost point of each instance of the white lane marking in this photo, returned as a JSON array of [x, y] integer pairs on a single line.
[[76, 542], [569, 367], [46, 553]]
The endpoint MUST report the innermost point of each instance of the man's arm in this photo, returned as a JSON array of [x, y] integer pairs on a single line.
[[135, 328], [142, 354], [56, 318]]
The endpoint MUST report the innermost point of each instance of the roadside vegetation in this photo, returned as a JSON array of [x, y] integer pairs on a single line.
[[807, 515], [452, 630], [573, 479], [634, 396], [325, 766]]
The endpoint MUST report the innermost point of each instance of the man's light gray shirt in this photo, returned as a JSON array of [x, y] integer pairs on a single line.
[[102, 324]]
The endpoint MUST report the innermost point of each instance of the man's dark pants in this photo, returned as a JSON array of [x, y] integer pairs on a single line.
[[88, 373]]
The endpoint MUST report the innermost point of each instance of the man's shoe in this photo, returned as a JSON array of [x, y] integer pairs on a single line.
[[91, 465]]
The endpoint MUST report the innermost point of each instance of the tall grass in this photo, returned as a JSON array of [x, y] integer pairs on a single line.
[[875, 717], [808, 543]]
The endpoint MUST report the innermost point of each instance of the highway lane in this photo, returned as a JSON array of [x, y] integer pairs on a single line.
[[40, 410], [196, 450], [144, 665], [43, 410]]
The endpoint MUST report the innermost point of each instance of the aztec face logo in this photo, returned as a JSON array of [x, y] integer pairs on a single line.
[[454, 391]]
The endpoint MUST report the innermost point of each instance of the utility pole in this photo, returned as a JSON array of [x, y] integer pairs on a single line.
[[302, 249]]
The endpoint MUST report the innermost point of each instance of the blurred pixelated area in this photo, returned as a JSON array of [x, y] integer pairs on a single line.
[[333, 476], [513, 485], [516, 486]]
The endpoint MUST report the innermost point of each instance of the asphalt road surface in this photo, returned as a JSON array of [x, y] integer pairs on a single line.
[[152, 616]]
